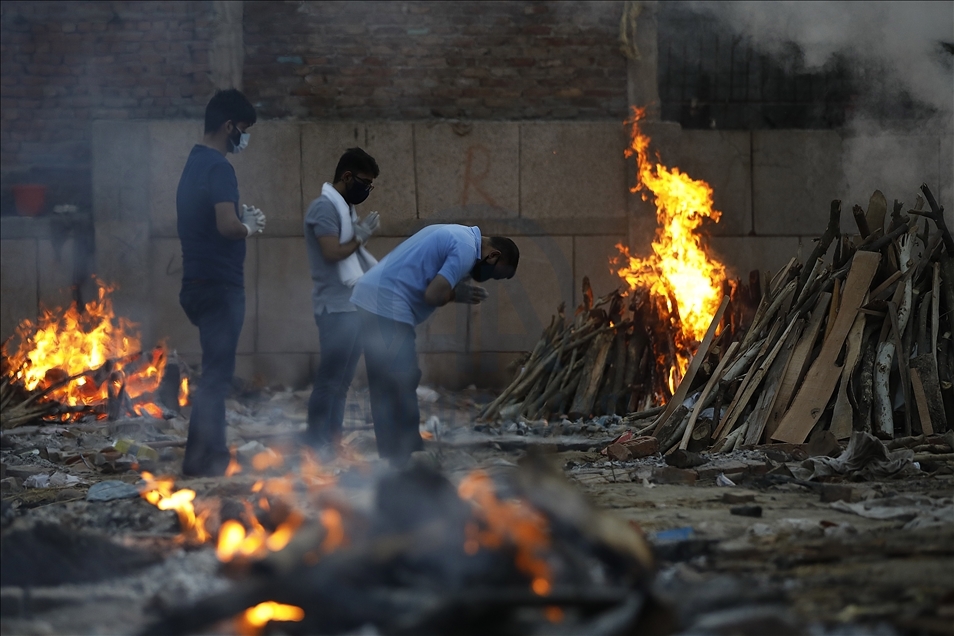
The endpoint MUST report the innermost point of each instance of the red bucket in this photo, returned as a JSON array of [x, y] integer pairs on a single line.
[[29, 198]]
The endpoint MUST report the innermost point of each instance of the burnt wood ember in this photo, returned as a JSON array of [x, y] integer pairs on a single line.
[[410, 570]]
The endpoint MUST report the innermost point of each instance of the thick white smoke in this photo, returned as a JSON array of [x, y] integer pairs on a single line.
[[904, 42], [902, 37]]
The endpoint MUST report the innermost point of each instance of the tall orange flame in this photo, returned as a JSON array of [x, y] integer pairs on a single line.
[[678, 269]]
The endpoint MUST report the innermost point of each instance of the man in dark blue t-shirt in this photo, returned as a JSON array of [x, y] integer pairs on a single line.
[[213, 230]]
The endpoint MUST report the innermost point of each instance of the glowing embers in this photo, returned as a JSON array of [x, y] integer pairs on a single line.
[[499, 522], [257, 542], [685, 284], [159, 492], [254, 619]]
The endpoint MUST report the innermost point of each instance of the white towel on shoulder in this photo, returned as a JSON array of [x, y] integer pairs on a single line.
[[353, 267]]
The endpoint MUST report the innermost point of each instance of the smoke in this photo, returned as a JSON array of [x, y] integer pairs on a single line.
[[900, 54], [902, 38]]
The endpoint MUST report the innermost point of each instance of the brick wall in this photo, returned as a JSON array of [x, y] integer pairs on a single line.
[[412, 60], [66, 64]]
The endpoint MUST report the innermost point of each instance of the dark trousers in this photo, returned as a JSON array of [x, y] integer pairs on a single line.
[[340, 351], [393, 375], [218, 310]]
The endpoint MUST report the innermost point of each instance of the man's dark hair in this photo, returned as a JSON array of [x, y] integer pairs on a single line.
[[509, 253], [356, 160], [228, 105]]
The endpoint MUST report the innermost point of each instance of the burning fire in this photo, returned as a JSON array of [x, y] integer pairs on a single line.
[[234, 541], [509, 521], [678, 270], [184, 392], [78, 342], [159, 493], [255, 618]]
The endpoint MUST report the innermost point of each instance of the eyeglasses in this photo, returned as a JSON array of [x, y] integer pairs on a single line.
[[366, 184]]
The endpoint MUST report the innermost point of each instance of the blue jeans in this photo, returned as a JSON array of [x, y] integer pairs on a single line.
[[340, 350], [218, 310], [390, 355]]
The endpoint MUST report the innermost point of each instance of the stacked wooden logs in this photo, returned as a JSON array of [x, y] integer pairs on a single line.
[[860, 341], [612, 358]]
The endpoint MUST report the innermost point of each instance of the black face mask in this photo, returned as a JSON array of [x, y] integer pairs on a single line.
[[356, 192], [482, 271]]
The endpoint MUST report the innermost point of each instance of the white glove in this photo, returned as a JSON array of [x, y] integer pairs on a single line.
[[253, 219], [469, 294], [364, 228]]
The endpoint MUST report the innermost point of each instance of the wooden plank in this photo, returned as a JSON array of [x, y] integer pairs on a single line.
[[779, 278], [766, 401], [795, 367], [935, 310], [920, 397], [699, 405], [841, 421], [799, 363], [593, 370], [882, 289], [803, 294], [767, 313], [694, 365], [749, 375], [815, 391], [833, 308], [746, 394]]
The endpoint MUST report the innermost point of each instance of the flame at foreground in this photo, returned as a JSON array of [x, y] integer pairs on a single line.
[[678, 268], [509, 521], [159, 493], [68, 342], [184, 392], [255, 618]]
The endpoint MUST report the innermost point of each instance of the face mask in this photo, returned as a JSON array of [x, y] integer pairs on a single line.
[[356, 192], [239, 142], [482, 271]]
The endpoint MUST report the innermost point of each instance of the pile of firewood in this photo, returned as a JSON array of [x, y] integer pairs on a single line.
[[612, 358], [861, 342]]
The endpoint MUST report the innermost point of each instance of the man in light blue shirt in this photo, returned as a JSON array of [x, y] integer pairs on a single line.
[[430, 269]]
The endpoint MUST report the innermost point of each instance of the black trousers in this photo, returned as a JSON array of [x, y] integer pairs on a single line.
[[218, 310], [390, 355], [340, 351]]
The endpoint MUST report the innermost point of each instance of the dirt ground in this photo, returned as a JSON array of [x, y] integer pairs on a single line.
[[741, 547]]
